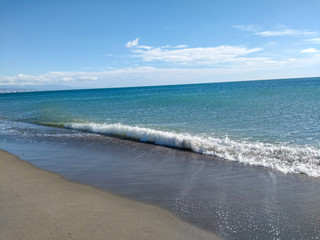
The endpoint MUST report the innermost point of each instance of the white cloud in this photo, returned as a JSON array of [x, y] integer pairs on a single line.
[[313, 40], [132, 43], [68, 78], [248, 28], [144, 47], [279, 31], [196, 56], [87, 78], [182, 55], [178, 46], [181, 46], [310, 50], [284, 32]]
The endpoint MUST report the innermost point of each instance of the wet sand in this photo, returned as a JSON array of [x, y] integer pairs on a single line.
[[235, 201], [37, 204]]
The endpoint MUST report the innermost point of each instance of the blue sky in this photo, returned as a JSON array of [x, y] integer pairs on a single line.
[[88, 44]]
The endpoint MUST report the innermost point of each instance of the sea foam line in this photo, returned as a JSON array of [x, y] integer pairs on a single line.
[[286, 159]]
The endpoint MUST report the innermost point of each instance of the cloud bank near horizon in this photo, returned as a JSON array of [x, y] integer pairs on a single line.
[[280, 30], [148, 76]]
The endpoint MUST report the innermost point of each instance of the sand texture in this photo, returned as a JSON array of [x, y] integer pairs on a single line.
[[37, 204]]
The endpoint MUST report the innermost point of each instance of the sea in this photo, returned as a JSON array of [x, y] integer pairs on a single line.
[[207, 152]]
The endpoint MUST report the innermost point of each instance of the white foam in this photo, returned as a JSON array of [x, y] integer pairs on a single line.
[[287, 159]]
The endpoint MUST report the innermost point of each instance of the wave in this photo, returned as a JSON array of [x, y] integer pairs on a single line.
[[281, 157]]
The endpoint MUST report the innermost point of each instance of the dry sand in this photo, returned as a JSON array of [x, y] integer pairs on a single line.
[[37, 204]]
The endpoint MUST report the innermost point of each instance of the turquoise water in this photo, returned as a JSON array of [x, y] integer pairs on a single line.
[[274, 124]]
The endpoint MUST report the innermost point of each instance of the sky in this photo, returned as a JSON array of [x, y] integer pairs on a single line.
[[101, 44]]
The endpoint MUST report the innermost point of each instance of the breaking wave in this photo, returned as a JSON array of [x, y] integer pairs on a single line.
[[281, 157]]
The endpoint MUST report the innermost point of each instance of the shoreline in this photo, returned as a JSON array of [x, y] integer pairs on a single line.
[[38, 204], [221, 197]]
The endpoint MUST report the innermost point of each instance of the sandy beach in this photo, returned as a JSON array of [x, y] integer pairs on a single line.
[[37, 204]]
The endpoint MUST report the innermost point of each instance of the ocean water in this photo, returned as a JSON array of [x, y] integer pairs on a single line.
[[250, 164], [273, 124]]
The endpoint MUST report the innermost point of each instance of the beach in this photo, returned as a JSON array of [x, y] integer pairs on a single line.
[[37, 204], [225, 198], [142, 120]]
